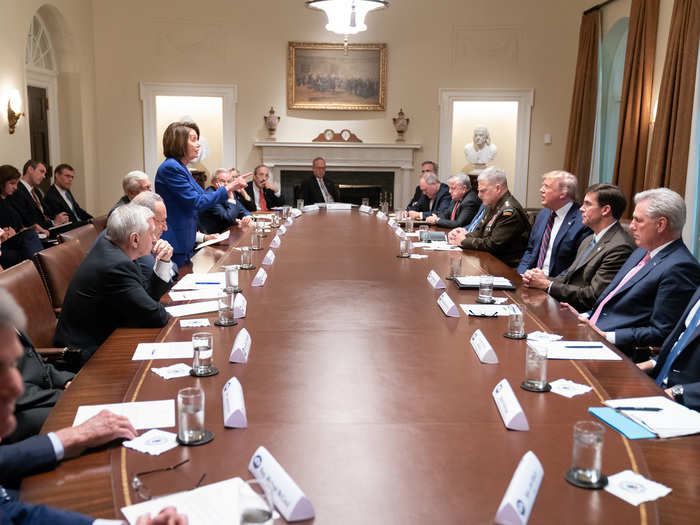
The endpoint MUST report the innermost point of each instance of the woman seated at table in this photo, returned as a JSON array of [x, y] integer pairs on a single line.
[[18, 243]]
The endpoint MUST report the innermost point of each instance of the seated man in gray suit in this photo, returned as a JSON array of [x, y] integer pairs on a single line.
[[463, 206], [600, 256]]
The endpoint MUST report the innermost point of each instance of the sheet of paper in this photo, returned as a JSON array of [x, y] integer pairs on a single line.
[[418, 256], [592, 350], [413, 234], [567, 388], [489, 310], [172, 350], [199, 281], [543, 336], [153, 442], [173, 371], [142, 414], [221, 237], [338, 206], [473, 280], [194, 323], [635, 488], [195, 295], [672, 420], [193, 308]]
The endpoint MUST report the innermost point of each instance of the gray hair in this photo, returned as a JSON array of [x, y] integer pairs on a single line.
[[460, 178], [494, 175], [10, 312], [215, 177], [147, 199], [125, 220], [431, 178], [130, 182], [567, 182], [663, 202]]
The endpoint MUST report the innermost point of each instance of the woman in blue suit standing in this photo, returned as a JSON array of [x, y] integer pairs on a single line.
[[183, 197]]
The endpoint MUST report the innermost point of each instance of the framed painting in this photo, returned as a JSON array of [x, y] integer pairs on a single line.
[[324, 76]]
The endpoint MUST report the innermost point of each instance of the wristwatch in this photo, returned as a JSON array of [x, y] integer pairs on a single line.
[[677, 392]]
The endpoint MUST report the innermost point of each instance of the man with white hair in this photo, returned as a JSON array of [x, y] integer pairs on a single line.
[[648, 295], [225, 214], [436, 197], [558, 229], [133, 183], [504, 229], [463, 206], [107, 291]]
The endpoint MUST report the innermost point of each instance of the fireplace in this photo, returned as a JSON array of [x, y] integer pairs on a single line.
[[353, 185]]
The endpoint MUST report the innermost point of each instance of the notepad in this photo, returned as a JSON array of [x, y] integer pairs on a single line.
[[671, 421], [622, 424]]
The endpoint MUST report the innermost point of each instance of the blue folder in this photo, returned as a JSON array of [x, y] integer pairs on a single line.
[[621, 423]]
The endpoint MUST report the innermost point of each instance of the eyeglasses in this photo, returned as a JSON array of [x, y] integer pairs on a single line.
[[142, 491]]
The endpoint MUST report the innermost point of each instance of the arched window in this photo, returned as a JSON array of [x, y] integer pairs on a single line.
[[39, 53]]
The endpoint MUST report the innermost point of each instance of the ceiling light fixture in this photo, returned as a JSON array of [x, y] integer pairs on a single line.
[[346, 17]]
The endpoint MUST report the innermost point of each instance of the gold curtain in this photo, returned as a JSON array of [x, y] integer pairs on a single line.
[[579, 142], [668, 158], [635, 107]]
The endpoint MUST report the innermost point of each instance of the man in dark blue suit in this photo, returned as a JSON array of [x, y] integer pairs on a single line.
[[677, 369], [463, 206], [419, 202], [261, 194], [59, 197], [437, 195], [647, 296], [222, 216], [558, 230]]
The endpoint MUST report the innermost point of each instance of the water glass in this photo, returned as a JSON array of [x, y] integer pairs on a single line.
[[384, 206], [286, 211], [226, 317], [231, 276], [300, 203], [409, 225], [365, 201], [190, 415], [246, 258], [203, 344], [455, 267], [275, 221], [536, 367], [256, 241], [485, 289], [587, 456], [255, 502], [516, 323], [405, 248], [399, 214]]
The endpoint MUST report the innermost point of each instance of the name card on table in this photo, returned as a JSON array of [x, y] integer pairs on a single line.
[[269, 258], [240, 304], [381, 215], [296, 212], [310, 208], [286, 494], [289, 221], [259, 278], [447, 305], [241, 347], [391, 222], [520, 496], [365, 209], [509, 407], [484, 350], [435, 281], [234, 406], [282, 230], [275, 243], [400, 233]]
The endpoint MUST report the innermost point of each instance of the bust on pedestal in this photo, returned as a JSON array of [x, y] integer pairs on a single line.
[[479, 152]]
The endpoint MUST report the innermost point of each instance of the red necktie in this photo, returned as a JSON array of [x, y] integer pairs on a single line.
[[38, 203], [263, 204], [454, 210]]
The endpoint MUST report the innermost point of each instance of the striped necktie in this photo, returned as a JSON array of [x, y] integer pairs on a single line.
[[545, 240], [678, 348]]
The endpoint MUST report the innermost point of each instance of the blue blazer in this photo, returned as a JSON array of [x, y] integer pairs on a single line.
[[441, 202], [20, 513], [184, 200], [221, 216], [647, 307], [24, 458], [569, 236], [686, 368]]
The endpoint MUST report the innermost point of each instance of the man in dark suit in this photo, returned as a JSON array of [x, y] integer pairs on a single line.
[[59, 197], [437, 195], [29, 202], [229, 213], [463, 206], [677, 369], [419, 202], [599, 256], [318, 187], [133, 183], [107, 290], [647, 296], [261, 194], [558, 231]]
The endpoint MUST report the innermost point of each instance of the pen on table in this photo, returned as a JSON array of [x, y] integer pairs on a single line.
[[200, 480], [205, 282], [641, 409]]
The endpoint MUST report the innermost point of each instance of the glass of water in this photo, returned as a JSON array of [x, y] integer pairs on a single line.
[[485, 289], [536, 368], [256, 241], [246, 258], [190, 411], [203, 343], [516, 323], [300, 203], [587, 456], [455, 267], [231, 276], [226, 303], [255, 502]]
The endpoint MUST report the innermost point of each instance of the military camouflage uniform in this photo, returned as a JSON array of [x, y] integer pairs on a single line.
[[504, 231]]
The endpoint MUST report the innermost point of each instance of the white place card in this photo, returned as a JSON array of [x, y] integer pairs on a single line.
[[484, 350], [287, 495], [240, 305], [275, 243], [260, 278], [170, 350], [435, 281], [269, 258], [241, 347], [517, 503], [281, 230], [288, 222], [509, 407], [447, 305], [310, 208], [365, 209], [381, 215], [391, 222], [400, 233], [234, 405], [203, 307], [141, 414], [296, 212]]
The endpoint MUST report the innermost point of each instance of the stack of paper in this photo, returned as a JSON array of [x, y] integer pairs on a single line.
[[141, 414], [472, 281], [217, 239], [659, 414]]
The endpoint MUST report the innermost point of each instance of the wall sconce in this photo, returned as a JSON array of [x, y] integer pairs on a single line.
[[13, 111]]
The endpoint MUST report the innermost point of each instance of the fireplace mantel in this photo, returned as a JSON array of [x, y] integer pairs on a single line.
[[358, 156]]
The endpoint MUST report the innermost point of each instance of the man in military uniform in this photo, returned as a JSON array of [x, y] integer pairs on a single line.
[[505, 228]]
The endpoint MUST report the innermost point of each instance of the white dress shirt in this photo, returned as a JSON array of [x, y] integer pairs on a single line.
[[560, 214]]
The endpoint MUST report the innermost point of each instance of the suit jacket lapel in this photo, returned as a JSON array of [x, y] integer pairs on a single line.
[[648, 266]]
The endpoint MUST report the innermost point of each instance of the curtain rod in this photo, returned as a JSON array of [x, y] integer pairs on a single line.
[[602, 4]]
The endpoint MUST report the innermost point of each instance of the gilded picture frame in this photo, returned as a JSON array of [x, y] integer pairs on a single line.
[[323, 76]]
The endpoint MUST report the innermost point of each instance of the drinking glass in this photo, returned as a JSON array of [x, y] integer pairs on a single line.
[[255, 502], [455, 267], [226, 316], [203, 343], [536, 368], [516, 323], [190, 412], [405, 248], [231, 276], [300, 203], [246, 258], [485, 289], [385, 208], [409, 225], [256, 241], [587, 455]]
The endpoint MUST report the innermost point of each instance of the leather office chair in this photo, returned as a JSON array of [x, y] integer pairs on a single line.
[[85, 234], [100, 222], [57, 265]]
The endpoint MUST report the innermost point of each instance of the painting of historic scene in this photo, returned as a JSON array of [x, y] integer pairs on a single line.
[[325, 76]]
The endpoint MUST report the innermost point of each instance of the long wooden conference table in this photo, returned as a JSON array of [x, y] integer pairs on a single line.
[[370, 397]]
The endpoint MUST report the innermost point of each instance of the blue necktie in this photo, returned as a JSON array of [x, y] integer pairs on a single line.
[[475, 222], [678, 348], [588, 250]]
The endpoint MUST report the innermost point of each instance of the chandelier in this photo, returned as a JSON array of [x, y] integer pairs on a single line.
[[346, 17]]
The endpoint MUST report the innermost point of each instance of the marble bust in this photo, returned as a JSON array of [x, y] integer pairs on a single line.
[[480, 152]]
